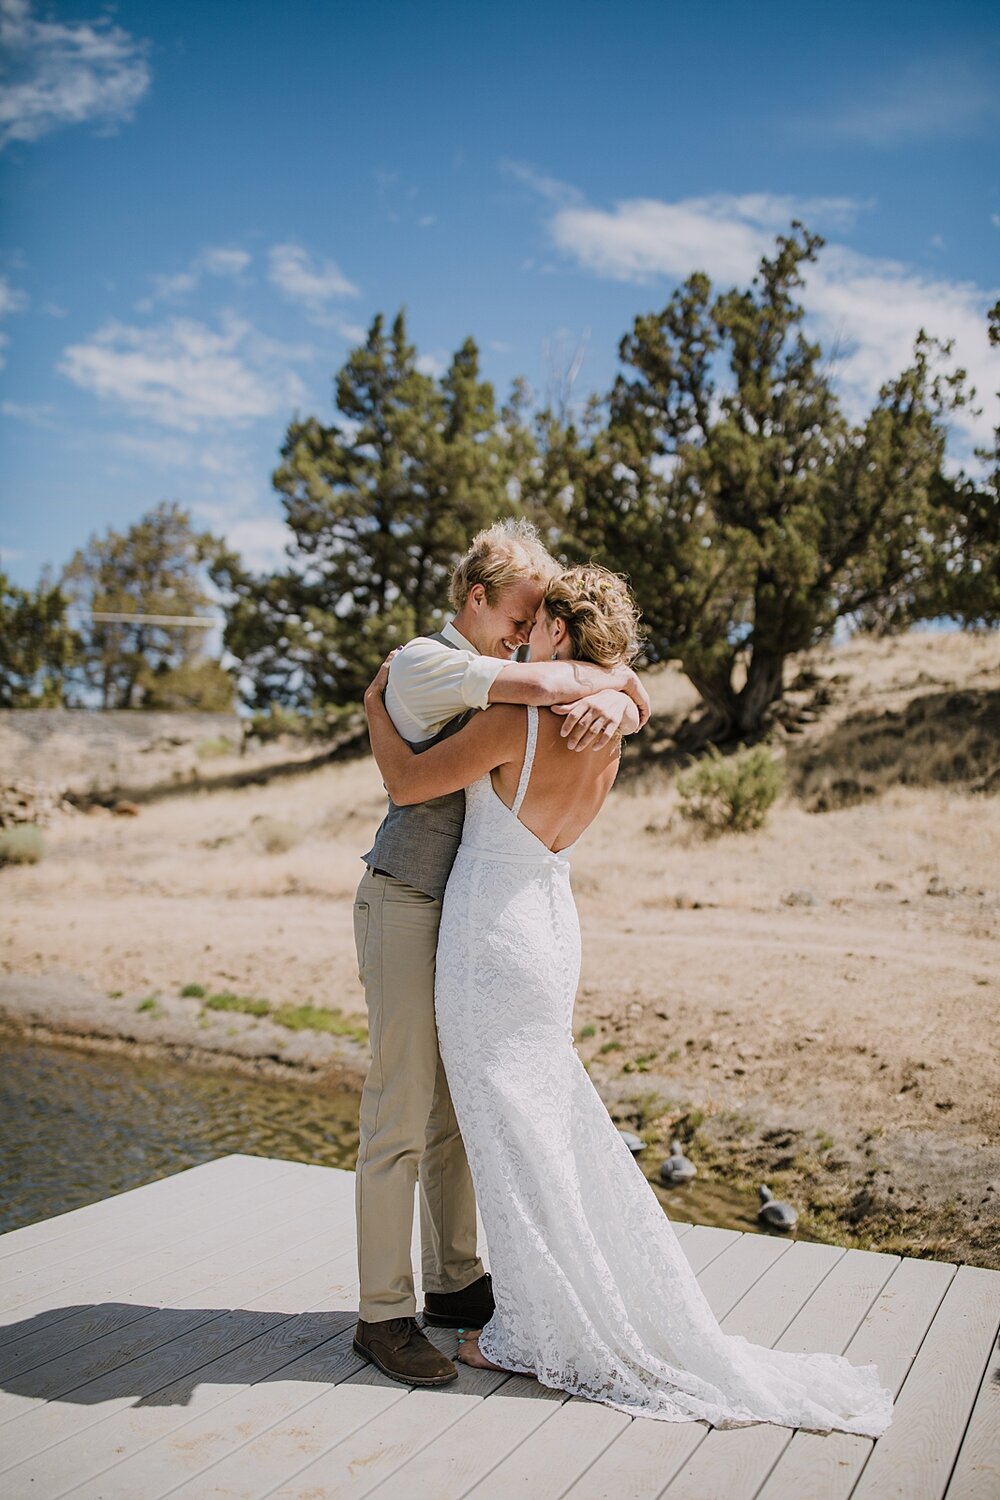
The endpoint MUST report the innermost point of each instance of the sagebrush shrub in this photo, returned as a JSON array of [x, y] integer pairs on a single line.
[[730, 793], [21, 845], [275, 836]]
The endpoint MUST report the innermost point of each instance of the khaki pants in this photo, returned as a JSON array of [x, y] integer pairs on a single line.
[[408, 1126]]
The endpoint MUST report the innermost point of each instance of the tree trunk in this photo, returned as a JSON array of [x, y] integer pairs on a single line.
[[763, 686], [720, 703], [737, 715]]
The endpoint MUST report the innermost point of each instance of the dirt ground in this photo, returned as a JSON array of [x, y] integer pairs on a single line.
[[815, 1005]]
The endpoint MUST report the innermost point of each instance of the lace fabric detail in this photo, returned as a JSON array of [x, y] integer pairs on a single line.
[[594, 1294]]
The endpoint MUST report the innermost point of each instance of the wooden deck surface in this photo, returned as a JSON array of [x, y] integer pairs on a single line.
[[192, 1338]]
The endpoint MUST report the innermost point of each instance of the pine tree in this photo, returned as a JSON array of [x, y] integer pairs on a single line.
[[152, 568], [38, 647], [379, 504]]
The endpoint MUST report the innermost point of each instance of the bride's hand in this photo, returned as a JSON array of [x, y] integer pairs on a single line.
[[592, 723], [376, 688]]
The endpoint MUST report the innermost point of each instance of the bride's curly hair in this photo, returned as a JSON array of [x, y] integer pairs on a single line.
[[599, 612]]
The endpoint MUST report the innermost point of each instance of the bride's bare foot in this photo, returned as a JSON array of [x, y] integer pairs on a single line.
[[469, 1352]]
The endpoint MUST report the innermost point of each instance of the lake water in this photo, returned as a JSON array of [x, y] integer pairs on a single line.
[[78, 1126]]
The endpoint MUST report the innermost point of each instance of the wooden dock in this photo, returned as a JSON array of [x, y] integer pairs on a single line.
[[192, 1338]]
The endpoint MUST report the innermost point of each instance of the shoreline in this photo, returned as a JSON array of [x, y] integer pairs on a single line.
[[866, 1197]]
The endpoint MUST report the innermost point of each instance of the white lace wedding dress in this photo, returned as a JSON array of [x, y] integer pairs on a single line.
[[594, 1294]]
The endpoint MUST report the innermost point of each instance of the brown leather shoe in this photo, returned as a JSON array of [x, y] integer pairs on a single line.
[[401, 1351], [472, 1307]]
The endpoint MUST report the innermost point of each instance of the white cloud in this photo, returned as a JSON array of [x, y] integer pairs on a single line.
[[431, 364], [66, 73], [184, 375], [944, 98], [259, 539], [866, 310], [217, 260], [12, 299], [294, 273], [546, 187], [38, 414], [164, 452], [723, 235], [225, 260]]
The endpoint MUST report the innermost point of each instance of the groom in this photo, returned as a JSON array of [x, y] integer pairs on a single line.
[[408, 1130]]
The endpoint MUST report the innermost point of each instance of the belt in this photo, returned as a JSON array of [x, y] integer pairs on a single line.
[[386, 873]]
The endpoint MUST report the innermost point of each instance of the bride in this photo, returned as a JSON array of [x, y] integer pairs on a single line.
[[594, 1294]]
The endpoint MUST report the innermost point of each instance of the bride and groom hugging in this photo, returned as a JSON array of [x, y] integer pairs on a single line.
[[469, 952]]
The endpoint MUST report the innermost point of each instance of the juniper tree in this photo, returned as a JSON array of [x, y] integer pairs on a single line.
[[38, 646], [750, 514], [154, 567], [379, 504]]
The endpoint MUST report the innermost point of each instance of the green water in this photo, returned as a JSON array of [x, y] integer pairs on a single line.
[[79, 1126]]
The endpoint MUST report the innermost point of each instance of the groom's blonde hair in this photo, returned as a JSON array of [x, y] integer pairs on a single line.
[[506, 552]]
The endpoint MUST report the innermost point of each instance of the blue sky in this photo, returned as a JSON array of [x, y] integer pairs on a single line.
[[205, 204]]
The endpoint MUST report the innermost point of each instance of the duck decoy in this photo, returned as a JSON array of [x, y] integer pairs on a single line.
[[771, 1212], [677, 1167]]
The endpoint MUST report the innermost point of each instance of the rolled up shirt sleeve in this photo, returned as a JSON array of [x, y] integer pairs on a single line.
[[432, 683]]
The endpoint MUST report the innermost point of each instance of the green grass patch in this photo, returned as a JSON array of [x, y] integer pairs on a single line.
[[319, 1018], [193, 992], [226, 1000], [294, 1017], [611, 1047], [586, 1032], [151, 1006]]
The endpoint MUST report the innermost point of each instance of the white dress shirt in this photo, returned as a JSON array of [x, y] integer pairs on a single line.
[[429, 683]]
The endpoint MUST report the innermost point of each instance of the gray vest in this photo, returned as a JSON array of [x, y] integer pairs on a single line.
[[418, 844]]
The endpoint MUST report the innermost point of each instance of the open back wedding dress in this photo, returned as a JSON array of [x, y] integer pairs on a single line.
[[594, 1294]]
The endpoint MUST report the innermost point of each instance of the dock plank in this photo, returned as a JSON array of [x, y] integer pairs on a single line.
[[346, 1441], [554, 1456], [184, 1427], [916, 1456], [187, 1298], [191, 1279], [826, 1466], [651, 1453], [33, 1287], [477, 1443], [976, 1475], [59, 1330], [244, 1384], [101, 1223], [795, 1305]]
